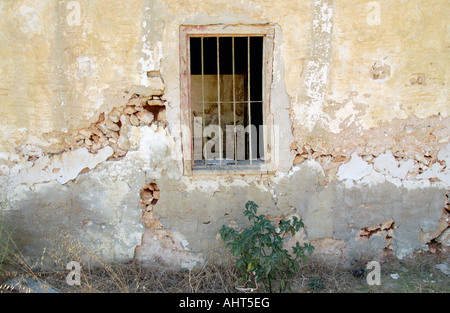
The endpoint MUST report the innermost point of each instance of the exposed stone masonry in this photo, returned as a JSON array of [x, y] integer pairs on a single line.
[[112, 129]]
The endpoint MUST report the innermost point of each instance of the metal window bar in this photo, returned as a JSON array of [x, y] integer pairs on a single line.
[[203, 100], [234, 103], [218, 102], [249, 103]]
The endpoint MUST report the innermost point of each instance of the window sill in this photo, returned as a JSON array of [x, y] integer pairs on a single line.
[[259, 168]]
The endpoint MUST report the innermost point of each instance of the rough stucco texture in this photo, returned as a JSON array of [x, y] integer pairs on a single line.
[[91, 145]]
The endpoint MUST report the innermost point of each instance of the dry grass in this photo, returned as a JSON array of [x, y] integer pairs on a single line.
[[316, 276], [418, 274], [138, 278]]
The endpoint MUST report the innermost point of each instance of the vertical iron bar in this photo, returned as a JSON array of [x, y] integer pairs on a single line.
[[203, 103], [218, 102], [263, 136], [234, 104], [249, 103]]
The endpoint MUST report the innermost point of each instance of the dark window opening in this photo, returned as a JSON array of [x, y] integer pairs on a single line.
[[226, 89]]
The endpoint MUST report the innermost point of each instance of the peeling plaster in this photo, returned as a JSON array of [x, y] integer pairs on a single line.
[[355, 169], [386, 164], [316, 74], [387, 167], [64, 167]]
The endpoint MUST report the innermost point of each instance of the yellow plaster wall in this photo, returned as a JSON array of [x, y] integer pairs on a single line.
[[57, 76]]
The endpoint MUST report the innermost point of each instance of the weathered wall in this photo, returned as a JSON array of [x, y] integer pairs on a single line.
[[91, 144]]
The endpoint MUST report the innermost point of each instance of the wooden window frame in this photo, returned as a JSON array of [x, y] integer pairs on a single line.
[[185, 33]]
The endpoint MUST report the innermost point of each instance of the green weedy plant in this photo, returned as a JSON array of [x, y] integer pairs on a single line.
[[261, 256]]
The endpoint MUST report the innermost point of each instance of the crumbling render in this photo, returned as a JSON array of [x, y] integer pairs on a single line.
[[439, 240], [409, 154], [149, 197], [330, 160], [106, 139], [386, 228], [409, 140], [159, 244], [110, 138]]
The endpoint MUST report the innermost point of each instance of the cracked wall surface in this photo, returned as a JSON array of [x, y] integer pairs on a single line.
[[91, 131]]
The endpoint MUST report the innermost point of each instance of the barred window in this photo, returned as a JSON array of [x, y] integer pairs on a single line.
[[226, 77]]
